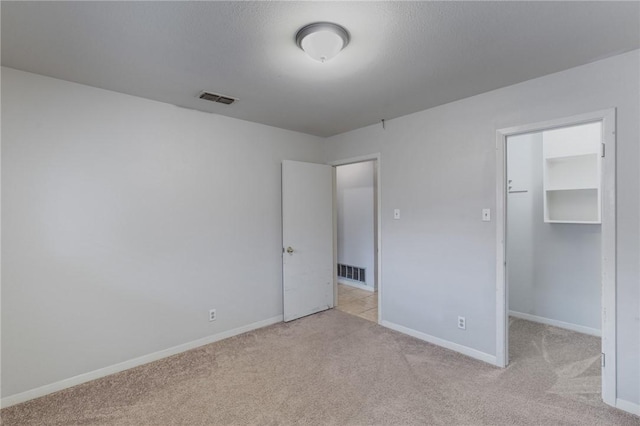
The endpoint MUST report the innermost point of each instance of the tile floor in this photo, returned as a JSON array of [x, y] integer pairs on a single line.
[[361, 303]]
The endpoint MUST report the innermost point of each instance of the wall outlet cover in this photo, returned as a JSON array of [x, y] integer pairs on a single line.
[[462, 323]]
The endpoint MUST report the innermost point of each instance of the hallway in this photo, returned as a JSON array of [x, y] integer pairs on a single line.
[[355, 301]]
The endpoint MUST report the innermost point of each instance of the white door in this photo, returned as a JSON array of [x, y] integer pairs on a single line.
[[307, 238]]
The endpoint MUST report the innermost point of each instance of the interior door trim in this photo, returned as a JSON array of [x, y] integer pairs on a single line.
[[376, 158], [608, 249]]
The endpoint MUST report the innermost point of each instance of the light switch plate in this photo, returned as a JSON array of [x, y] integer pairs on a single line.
[[396, 213], [486, 215]]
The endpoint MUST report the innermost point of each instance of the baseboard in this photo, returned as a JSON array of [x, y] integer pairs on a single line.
[[465, 350], [357, 285], [560, 324], [627, 406], [135, 362]]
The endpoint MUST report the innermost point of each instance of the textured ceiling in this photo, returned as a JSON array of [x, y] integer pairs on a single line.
[[403, 57]]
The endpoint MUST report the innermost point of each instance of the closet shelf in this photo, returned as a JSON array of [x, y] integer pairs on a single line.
[[558, 158], [576, 188], [572, 169], [583, 222]]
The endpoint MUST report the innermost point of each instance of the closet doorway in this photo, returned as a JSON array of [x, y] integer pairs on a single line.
[[556, 252], [356, 197]]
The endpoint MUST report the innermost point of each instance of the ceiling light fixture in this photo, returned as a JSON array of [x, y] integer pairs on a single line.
[[322, 40]]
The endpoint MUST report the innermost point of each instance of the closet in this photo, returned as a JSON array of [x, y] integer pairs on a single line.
[[553, 226]]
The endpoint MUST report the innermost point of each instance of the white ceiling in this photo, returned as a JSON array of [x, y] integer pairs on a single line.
[[403, 56]]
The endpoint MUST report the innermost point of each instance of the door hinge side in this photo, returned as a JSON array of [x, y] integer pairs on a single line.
[[602, 360], [602, 153]]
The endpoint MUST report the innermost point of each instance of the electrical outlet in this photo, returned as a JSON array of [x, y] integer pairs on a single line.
[[212, 315], [462, 323]]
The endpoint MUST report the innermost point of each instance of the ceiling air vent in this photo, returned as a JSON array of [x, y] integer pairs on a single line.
[[207, 96]]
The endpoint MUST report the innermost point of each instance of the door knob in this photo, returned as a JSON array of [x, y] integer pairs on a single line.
[[289, 250]]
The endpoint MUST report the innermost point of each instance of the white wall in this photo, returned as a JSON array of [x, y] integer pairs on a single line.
[[521, 214], [121, 217], [553, 269], [354, 191], [124, 220], [439, 167]]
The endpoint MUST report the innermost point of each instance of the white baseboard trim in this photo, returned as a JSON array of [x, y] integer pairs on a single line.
[[627, 406], [357, 285], [560, 324], [465, 350], [135, 362]]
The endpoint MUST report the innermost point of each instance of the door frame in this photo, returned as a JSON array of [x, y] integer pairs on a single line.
[[608, 240], [375, 157]]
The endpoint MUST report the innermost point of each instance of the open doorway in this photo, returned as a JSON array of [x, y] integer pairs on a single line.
[[356, 239], [553, 255], [556, 234], [310, 243]]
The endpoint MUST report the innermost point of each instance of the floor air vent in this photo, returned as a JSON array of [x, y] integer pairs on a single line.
[[351, 272], [207, 96]]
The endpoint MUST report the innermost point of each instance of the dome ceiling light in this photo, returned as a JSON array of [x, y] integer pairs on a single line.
[[322, 40]]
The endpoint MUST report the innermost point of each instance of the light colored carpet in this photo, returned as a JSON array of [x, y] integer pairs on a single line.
[[335, 368]]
